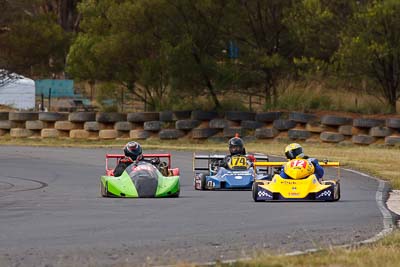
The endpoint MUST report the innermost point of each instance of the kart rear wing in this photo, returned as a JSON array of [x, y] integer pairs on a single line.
[[256, 158], [281, 163], [120, 156]]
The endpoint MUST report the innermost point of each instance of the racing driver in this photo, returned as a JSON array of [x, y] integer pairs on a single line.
[[295, 151], [133, 154]]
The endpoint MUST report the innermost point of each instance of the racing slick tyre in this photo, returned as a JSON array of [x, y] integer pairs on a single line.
[[202, 178], [103, 189], [175, 195], [254, 190], [338, 192], [335, 191]]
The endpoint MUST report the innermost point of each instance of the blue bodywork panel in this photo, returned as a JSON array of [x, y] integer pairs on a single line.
[[231, 179]]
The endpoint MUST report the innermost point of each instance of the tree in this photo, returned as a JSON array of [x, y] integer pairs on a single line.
[[370, 49], [266, 47], [192, 31], [66, 11], [6, 77], [32, 43], [316, 25], [151, 46], [116, 45]]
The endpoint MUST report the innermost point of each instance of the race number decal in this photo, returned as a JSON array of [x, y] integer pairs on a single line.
[[142, 167], [238, 161], [298, 163]]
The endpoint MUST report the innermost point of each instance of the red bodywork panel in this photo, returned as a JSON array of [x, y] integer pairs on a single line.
[[110, 172]]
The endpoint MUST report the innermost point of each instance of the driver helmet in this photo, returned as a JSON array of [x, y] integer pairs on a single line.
[[133, 150], [236, 146], [294, 151]]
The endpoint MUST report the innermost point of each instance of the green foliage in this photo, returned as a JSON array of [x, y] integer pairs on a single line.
[[266, 47], [107, 97], [234, 104], [303, 100], [315, 23], [36, 46], [371, 47], [81, 60], [366, 107], [190, 103]]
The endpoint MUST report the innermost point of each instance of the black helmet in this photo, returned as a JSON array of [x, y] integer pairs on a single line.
[[236, 146], [133, 150]]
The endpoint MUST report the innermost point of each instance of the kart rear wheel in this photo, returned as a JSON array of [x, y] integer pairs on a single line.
[[337, 185], [338, 192], [175, 194], [200, 181], [254, 190], [103, 189]]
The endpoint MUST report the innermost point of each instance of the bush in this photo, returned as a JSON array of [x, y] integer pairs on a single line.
[[107, 97], [233, 104], [303, 101]]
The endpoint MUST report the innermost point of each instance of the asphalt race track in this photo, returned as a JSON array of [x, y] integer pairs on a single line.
[[51, 214]]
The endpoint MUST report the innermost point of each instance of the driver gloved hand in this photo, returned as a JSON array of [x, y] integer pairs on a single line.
[[155, 161]]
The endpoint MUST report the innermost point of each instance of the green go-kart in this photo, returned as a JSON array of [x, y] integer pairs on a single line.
[[142, 179]]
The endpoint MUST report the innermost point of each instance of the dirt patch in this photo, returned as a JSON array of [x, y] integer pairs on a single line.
[[6, 108]]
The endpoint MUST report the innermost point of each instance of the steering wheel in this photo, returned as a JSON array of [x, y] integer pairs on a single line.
[[215, 164]]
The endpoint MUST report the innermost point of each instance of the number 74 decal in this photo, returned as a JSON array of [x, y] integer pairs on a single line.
[[238, 161]]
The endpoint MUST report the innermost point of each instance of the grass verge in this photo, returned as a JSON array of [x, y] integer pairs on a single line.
[[382, 253], [378, 161]]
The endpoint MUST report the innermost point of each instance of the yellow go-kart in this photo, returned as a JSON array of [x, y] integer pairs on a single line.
[[302, 184]]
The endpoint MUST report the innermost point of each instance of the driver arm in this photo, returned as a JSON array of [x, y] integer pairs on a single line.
[[319, 171], [224, 162], [282, 173], [122, 165]]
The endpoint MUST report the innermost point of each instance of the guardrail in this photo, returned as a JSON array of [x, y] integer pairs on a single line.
[[264, 126]]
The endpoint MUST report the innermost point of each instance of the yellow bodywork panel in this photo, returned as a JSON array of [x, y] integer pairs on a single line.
[[290, 188], [298, 168]]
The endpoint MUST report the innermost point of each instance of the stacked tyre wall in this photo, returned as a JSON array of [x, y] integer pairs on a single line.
[[199, 125]]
